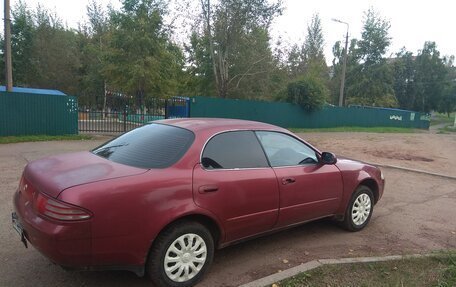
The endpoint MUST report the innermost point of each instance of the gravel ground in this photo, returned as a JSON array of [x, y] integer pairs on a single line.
[[415, 215]]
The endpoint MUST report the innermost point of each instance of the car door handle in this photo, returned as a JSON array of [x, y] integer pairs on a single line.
[[208, 188], [288, 180]]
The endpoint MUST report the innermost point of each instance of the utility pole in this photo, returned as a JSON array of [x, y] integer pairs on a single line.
[[344, 66], [8, 61]]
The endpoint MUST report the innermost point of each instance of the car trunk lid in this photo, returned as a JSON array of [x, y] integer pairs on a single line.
[[54, 174]]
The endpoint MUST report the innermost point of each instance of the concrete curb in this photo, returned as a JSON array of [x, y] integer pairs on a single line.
[[414, 170], [274, 278]]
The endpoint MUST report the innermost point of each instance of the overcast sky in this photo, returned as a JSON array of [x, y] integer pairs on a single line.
[[412, 22]]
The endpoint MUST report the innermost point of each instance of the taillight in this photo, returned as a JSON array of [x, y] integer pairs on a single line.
[[57, 209]]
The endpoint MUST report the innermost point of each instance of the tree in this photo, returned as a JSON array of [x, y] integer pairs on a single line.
[[55, 55], [45, 53], [448, 103], [308, 70], [92, 42], [22, 33], [254, 75], [424, 82], [200, 80], [309, 57], [372, 80], [296, 62], [313, 49], [336, 72], [404, 69], [233, 26], [430, 78], [141, 60], [375, 39], [309, 92]]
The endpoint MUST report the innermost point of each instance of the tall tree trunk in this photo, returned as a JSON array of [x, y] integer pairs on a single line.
[[104, 100], [207, 15], [223, 70]]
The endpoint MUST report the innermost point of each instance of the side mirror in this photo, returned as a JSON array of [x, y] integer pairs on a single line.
[[328, 158]]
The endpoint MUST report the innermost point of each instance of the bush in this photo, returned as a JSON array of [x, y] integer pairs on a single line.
[[310, 93]]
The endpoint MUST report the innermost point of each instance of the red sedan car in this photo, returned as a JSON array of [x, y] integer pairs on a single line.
[[162, 197]]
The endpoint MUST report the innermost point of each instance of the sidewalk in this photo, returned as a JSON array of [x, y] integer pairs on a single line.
[[274, 278]]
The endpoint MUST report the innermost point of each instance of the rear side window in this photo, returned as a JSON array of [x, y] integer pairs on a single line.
[[239, 149], [150, 146]]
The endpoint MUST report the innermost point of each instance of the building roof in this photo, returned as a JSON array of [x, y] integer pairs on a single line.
[[34, 91]]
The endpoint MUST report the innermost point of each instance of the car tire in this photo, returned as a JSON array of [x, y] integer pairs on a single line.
[[359, 210], [181, 255]]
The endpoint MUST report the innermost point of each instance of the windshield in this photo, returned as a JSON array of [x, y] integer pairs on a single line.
[[150, 146]]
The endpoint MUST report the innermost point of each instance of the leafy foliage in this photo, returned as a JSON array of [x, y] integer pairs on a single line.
[[45, 53], [374, 80], [309, 58], [140, 60], [201, 76], [313, 48], [429, 78], [424, 82], [404, 76], [22, 42], [375, 39], [310, 93], [448, 101], [237, 34], [352, 65], [229, 53], [308, 71], [92, 42]]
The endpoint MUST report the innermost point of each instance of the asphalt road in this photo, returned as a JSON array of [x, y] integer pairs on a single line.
[[416, 215]]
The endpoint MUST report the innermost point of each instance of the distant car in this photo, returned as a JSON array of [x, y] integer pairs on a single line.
[[162, 197]]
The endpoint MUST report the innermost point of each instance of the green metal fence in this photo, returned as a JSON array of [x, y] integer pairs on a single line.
[[292, 116], [37, 114]]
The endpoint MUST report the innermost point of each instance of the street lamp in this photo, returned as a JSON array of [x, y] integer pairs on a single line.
[[344, 66]]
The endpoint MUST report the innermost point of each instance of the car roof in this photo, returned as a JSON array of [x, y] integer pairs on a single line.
[[218, 124]]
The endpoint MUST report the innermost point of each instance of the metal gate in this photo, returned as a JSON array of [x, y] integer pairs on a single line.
[[178, 107], [126, 118]]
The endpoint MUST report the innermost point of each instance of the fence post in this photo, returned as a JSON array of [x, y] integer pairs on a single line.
[[166, 108], [187, 107], [125, 118]]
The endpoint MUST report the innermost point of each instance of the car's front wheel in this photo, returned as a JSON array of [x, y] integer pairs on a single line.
[[181, 255], [359, 209]]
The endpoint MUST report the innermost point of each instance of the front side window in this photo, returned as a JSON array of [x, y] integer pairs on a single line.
[[285, 150], [230, 150], [149, 146]]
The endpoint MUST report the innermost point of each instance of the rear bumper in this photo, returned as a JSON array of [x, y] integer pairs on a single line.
[[66, 244]]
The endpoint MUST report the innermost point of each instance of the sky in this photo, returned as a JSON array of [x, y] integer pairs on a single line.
[[412, 22]]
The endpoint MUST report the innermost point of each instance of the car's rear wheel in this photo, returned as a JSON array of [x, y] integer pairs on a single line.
[[359, 210], [181, 255]]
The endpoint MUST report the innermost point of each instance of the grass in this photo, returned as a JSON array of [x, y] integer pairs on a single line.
[[358, 129], [447, 129], [438, 271], [38, 138], [439, 118]]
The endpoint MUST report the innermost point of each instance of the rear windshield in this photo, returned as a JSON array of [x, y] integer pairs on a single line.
[[150, 146]]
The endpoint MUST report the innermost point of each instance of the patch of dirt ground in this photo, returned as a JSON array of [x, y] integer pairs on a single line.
[[415, 215], [430, 152]]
